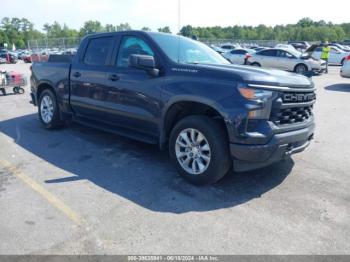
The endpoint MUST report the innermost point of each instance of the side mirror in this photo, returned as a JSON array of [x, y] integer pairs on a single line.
[[144, 62]]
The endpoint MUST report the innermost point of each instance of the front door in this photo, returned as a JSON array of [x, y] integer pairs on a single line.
[[138, 106]]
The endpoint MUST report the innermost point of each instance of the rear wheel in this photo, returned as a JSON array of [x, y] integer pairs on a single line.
[[342, 61], [256, 64], [199, 149], [48, 110], [300, 69]]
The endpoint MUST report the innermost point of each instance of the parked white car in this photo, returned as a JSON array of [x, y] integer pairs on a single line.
[[238, 56], [336, 56], [284, 46], [287, 60], [228, 47], [345, 70]]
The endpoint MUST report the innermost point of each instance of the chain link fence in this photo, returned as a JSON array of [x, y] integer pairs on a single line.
[[54, 44], [42, 48], [264, 43], [62, 44]]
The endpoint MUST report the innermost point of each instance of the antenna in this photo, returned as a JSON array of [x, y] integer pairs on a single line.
[[179, 28], [179, 15]]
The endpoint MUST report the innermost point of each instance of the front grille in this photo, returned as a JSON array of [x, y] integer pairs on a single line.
[[292, 108], [292, 115]]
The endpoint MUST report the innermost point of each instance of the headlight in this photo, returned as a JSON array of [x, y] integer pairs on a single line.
[[255, 94], [262, 97]]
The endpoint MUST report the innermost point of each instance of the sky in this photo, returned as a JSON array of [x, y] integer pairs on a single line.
[[160, 13]]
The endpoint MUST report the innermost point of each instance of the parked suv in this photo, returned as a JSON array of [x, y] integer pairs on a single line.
[[182, 95]]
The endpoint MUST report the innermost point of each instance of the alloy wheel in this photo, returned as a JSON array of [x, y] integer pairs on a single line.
[[46, 109], [193, 151]]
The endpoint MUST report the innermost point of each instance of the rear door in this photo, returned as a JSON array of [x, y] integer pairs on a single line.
[[285, 60], [267, 58], [237, 56], [88, 78]]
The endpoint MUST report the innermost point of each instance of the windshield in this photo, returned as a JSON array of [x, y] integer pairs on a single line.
[[187, 51]]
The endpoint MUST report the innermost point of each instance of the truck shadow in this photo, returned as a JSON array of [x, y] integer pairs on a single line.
[[135, 171], [339, 87]]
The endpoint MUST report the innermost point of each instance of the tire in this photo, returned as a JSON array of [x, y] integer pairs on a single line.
[[217, 151], [342, 61], [48, 110], [255, 64], [300, 69], [21, 90], [3, 91]]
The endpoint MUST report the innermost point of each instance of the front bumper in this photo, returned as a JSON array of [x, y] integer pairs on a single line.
[[319, 69], [281, 146]]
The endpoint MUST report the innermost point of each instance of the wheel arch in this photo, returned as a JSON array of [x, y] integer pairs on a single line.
[[303, 64], [42, 86], [255, 63], [342, 61], [183, 108]]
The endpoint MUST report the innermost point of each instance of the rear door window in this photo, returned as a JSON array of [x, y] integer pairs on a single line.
[[97, 51], [238, 52], [270, 52]]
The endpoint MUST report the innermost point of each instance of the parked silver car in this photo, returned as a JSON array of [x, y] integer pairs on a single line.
[[286, 59], [345, 70], [238, 56]]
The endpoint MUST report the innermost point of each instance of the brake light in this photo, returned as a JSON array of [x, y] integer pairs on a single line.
[[347, 58]]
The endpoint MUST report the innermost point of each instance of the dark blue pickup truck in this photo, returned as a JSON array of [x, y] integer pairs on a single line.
[[180, 94]]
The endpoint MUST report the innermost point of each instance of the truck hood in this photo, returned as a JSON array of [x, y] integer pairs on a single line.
[[259, 76]]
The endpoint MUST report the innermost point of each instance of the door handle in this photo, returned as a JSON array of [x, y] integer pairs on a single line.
[[113, 77], [77, 74]]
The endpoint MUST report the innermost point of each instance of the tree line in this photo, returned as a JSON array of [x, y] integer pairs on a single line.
[[304, 30], [19, 30]]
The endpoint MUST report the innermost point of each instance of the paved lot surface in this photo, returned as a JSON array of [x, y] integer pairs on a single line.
[[82, 191]]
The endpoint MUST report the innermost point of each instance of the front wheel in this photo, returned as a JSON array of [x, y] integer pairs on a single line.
[[300, 69], [199, 149], [48, 110]]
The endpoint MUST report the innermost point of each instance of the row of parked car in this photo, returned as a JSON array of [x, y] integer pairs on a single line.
[[27, 56], [12, 57], [297, 57]]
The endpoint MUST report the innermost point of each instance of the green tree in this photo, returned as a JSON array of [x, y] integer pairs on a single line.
[[110, 28], [123, 27], [91, 27], [187, 31], [165, 29], [145, 28]]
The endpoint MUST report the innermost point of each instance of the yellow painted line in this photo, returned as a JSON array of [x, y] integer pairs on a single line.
[[53, 200]]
